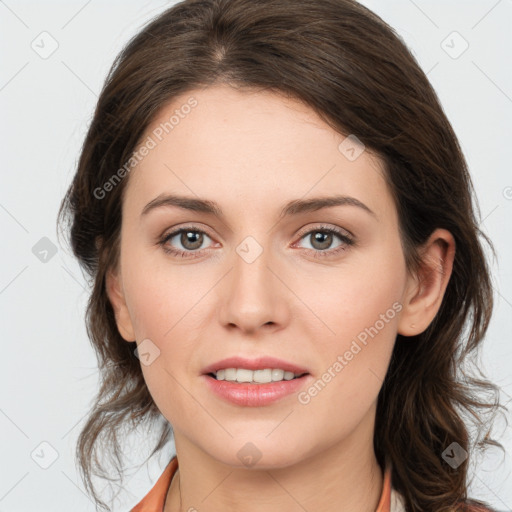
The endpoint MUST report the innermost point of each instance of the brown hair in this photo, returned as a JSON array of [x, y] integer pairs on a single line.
[[348, 65]]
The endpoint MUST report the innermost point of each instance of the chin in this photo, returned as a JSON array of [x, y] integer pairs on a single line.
[[257, 454]]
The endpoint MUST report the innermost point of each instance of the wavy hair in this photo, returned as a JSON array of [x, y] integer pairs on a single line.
[[347, 64]]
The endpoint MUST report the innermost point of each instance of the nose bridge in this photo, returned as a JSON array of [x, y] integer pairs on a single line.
[[254, 296]]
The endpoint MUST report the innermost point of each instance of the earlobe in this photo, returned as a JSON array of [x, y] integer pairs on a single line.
[[425, 290], [116, 296]]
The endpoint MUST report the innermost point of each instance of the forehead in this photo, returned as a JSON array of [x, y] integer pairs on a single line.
[[254, 148]]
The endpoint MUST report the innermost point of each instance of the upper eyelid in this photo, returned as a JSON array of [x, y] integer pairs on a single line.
[[324, 227], [175, 231], [307, 229]]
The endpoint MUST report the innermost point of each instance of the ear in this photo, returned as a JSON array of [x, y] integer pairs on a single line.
[[425, 290], [115, 294]]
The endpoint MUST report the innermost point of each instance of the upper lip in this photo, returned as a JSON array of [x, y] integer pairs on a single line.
[[260, 363]]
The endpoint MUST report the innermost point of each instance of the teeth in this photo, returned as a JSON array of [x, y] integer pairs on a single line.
[[256, 376]]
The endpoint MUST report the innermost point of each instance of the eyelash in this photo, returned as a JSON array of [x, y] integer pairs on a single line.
[[346, 242]]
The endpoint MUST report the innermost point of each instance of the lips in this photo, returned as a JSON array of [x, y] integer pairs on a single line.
[[255, 395], [261, 363]]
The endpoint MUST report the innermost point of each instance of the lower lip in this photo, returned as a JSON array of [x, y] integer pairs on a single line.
[[254, 395]]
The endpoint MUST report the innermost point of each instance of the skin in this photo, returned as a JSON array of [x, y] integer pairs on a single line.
[[252, 152]]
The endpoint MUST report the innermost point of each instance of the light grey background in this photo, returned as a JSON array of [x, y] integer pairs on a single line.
[[49, 370]]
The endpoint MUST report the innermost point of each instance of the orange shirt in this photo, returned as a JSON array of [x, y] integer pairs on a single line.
[[154, 500]]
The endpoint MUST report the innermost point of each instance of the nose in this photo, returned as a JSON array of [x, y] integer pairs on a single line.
[[254, 296]]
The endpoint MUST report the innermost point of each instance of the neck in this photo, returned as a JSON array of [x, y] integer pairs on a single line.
[[343, 477]]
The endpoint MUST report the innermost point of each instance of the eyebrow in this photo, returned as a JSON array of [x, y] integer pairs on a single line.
[[294, 207]]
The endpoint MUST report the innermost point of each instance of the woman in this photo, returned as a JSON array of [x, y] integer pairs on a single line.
[[278, 222]]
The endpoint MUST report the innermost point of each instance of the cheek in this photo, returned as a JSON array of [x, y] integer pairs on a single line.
[[167, 307], [163, 312], [159, 297], [361, 307], [352, 370], [355, 297]]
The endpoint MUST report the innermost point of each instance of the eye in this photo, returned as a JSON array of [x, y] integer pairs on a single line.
[[322, 238], [190, 238]]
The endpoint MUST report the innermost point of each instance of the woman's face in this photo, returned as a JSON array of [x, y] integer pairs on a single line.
[[250, 282]]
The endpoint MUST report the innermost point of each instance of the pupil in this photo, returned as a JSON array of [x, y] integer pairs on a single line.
[[318, 239], [188, 238]]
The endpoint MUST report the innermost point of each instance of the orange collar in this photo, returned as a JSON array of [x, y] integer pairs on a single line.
[[154, 500]]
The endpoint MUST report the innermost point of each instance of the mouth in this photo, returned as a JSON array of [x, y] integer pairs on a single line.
[[262, 370], [262, 376], [255, 388], [255, 382]]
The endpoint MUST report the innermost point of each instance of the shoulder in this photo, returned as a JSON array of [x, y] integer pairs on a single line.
[[155, 499]]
